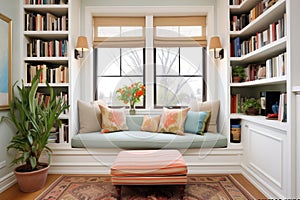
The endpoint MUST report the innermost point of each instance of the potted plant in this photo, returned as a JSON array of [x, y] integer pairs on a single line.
[[238, 74], [251, 106], [33, 121]]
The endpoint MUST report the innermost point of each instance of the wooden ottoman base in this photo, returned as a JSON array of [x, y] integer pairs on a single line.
[[149, 167]]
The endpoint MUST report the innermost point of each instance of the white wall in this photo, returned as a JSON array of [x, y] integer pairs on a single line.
[[11, 10]]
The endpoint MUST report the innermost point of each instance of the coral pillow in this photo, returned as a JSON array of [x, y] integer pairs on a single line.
[[150, 123], [113, 119], [172, 121]]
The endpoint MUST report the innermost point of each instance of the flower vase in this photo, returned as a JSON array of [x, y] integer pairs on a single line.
[[132, 110]]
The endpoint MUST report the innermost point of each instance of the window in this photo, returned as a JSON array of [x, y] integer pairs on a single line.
[[115, 68], [178, 75], [179, 58]]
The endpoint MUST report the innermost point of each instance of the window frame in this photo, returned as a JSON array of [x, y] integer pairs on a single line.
[[95, 71], [203, 76]]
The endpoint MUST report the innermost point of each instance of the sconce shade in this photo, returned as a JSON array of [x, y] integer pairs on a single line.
[[82, 43], [215, 43]]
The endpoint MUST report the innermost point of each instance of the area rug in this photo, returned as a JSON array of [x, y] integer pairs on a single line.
[[87, 187]]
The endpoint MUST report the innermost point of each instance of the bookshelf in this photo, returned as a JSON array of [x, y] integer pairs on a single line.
[[262, 55], [46, 36]]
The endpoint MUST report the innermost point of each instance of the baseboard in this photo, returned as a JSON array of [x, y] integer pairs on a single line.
[[7, 181]]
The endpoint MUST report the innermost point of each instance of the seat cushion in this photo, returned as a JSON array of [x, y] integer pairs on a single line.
[[148, 140]]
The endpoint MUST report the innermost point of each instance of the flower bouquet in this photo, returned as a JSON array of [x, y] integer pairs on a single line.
[[131, 94]]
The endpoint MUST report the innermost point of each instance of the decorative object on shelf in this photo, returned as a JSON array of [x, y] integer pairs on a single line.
[[235, 133], [275, 108], [131, 94], [82, 45], [5, 62], [33, 122], [238, 74], [251, 106], [215, 45], [261, 74]]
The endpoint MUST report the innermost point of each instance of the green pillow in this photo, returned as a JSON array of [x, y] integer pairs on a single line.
[[196, 122]]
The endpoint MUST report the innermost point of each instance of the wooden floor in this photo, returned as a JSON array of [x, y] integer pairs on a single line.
[[14, 192]]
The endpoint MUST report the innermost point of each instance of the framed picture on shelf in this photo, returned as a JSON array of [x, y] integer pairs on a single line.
[[5, 61]]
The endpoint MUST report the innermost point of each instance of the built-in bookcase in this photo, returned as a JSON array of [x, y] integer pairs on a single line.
[[45, 45], [258, 38]]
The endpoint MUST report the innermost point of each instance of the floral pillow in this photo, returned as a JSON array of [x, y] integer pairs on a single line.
[[150, 123], [172, 121], [113, 119]]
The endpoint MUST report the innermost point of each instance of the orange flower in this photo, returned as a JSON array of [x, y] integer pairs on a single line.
[[139, 93]]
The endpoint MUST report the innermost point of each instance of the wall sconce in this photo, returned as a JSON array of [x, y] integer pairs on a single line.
[[82, 45], [215, 45]]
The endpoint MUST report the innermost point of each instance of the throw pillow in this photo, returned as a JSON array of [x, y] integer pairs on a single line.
[[98, 111], [213, 108], [88, 117], [196, 122], [113, 119], [150, 123], [172, 121]]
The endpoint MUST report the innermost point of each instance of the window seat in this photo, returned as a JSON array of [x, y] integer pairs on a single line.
[[148, 140], [136, 139]]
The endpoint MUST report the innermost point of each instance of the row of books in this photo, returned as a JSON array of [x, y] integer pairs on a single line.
[[236, 103], [59, 74], [59, 135], [282, 108], [260, 8], [45, 22], [53, 48], [237, 23], [44, 98], [41, 2], [275, 31], [275, 66]]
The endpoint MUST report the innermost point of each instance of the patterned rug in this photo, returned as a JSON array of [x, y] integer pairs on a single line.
[[88, 187]]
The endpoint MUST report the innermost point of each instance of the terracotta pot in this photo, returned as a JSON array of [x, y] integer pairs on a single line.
[[32, 181], [236, 79], [252, 111]]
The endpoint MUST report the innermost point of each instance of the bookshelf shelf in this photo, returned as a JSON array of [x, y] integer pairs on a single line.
[[263, 53], [261, 82], [262, 21], [54, 60], [243, 7], [261, 120], [56, 9], [64, 116], [48, 35], [51, 84]]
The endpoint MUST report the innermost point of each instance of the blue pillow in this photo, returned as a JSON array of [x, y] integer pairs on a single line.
[[196, 122]]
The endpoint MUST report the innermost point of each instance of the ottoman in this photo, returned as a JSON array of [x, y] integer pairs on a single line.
[[149, 167]]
